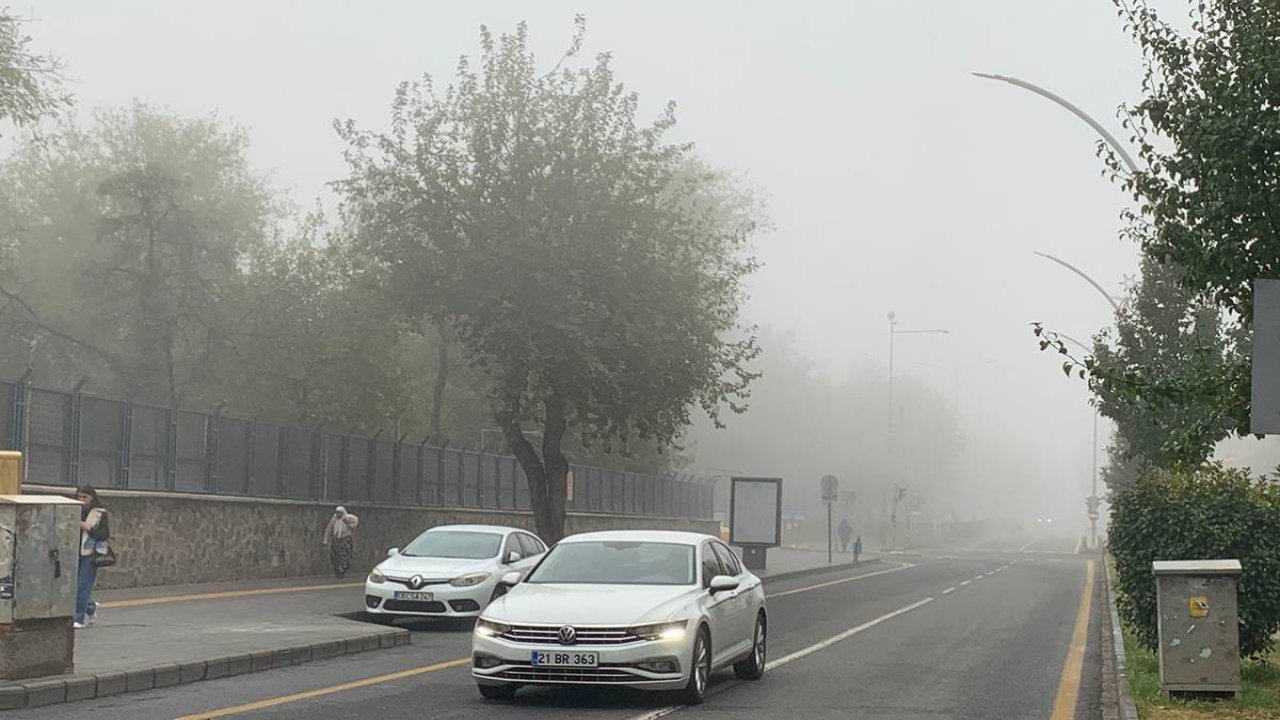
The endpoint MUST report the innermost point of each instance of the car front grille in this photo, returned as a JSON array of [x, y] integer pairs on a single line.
[[550, 635], [425, 581], [602, 675], [418, 606]]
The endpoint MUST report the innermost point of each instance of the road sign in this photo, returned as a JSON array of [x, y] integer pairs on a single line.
[[830, 488]]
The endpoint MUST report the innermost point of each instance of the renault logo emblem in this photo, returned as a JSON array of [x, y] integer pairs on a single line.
[[567, 635], [415, 582]]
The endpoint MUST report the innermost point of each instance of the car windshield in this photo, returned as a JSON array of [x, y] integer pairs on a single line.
[[617, 563], [461, 544]]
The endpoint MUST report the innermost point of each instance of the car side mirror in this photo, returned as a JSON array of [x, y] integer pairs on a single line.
[[511, 578], [393, 552], [723, 583], [512, 557]]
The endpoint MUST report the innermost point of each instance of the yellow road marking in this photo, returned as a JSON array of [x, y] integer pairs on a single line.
[[1064, 705], [223, 595], [284, 699]]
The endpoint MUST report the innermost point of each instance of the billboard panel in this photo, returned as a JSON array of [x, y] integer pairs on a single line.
[[755, 512]]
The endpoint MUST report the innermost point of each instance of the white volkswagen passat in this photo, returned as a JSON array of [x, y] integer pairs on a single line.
[[448, 571], [649, 610]]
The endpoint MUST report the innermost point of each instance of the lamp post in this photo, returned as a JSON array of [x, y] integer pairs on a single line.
[[894, 331], [1093, 501]]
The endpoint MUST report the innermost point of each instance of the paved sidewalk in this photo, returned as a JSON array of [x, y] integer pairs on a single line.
[[800, 560], [157, 637]]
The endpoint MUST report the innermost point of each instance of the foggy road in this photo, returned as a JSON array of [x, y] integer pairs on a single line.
[[936, 635]]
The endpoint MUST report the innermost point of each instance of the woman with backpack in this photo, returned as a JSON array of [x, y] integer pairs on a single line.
[[94, 532]]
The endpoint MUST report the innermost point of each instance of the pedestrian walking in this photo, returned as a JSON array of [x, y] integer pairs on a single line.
[[94, 534], [857, 548], [846, 532], [339, 535]]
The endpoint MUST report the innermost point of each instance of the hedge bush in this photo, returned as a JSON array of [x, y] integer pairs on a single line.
[[1207, 514]]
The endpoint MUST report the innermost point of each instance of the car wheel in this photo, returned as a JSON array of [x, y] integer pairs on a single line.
[[497, 692], [753, 667], [699, 670]]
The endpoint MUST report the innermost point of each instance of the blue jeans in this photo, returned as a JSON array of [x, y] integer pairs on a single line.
[[87, 576]]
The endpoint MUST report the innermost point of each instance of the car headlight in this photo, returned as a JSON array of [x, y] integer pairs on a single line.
[[376, 577], [489, 628], [469, 580], [660, 631]]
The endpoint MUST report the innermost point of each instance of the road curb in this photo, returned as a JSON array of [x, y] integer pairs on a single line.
[[1117, 700], [821, 569], [39, 692]]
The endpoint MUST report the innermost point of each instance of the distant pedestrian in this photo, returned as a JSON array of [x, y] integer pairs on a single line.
[[846, 532], [94, 531], [857, 548], [339, 535]]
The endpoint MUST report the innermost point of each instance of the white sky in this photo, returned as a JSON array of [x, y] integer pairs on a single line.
[[897, 180]]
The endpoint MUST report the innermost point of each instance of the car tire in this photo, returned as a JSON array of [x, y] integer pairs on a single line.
[[497, 692], [753, 667], [699, 670]]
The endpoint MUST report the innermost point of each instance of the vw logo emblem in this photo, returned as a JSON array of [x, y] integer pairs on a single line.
[[567, 635], [415, 582]]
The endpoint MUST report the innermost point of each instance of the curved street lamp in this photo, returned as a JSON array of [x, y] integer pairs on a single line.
[[1097, 127]]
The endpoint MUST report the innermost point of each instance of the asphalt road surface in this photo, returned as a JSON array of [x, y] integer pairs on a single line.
[[990, 633]]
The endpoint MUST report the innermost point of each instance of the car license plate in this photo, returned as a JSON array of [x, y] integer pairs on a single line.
[[418, 596], [564, 659]]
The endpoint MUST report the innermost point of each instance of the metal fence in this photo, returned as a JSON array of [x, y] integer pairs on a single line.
[[71, 438]]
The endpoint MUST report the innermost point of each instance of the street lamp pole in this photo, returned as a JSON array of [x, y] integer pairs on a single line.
[[1093, 500], [893, 475]]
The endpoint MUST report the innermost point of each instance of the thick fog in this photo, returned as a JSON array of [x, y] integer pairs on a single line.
[[896, 181]]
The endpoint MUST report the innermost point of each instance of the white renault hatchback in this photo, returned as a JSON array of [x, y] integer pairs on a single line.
[[448, 571], [649, 610]]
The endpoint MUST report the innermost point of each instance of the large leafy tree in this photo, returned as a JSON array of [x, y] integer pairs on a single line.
[[587, 265], [131, 237], [31, 86]]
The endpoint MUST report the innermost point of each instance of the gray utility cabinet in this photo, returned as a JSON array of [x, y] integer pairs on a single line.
[[39, 557], [1199, 625]]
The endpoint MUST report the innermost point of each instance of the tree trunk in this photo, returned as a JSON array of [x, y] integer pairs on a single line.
[[547, 476], [442, 378]]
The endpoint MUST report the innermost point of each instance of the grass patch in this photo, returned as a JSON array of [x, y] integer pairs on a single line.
[[1259, 699]]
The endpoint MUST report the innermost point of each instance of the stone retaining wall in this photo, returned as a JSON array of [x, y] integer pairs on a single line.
[[176, 539]]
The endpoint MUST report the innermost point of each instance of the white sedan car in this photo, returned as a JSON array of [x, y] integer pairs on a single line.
[[649, 610], [448, 571]]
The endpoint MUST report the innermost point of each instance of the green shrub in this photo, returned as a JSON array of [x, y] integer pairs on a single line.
[[1212, 513]]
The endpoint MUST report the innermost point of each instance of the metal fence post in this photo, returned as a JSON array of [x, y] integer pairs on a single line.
[[212, 435], [126, 444], [422, 473], [316, 469], [171, 450], [344, 467], [440, 472], [396, 465], [371, 468], [77, 427], [21, 418], [251, 458], [462, 475]]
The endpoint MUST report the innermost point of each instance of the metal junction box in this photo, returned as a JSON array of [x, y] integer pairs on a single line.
[[39, 557], [1199, 625]]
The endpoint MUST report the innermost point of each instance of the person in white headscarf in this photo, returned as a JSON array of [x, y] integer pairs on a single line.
[[339, 535]]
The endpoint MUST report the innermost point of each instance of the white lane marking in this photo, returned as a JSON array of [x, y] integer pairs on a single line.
[[978, 577], [949, 590], [966, 582], [846, 634], [1024, 547], [663, 712], [900, 568]]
